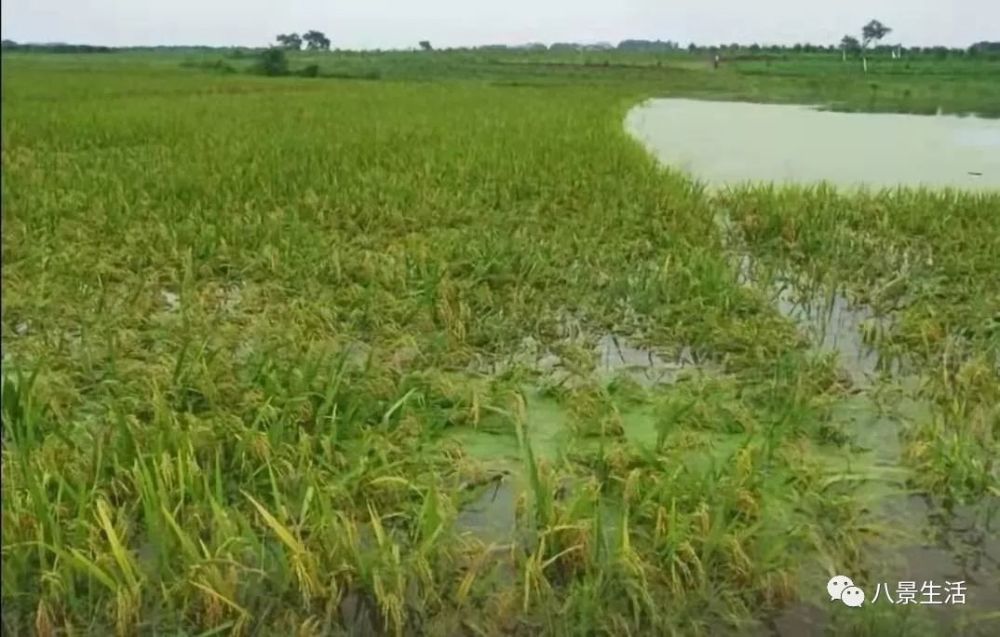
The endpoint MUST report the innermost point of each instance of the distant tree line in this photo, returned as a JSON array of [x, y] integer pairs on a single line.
[[651, 46], [985, 47], [317, 41], [53, 47], [852, 44]]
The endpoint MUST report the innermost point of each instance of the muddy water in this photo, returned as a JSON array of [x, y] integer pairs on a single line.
[[921, 542], [617, 355], [614, 355], [834, 326], [491, 514], [727, 143]]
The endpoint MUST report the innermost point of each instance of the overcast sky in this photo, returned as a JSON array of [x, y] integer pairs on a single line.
[[401, 23]]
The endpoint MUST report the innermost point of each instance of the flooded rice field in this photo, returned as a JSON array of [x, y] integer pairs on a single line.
[[455, 358], [910, 534], [728, 143], [740, 144], [918, 536]]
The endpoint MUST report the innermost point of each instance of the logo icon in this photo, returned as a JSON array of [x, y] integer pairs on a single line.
[[853, 597], [842, 588]]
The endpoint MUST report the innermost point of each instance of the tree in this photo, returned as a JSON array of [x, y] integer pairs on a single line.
[[290, 41], [849, 44], [426, 45], [316, 41], [871, 32]]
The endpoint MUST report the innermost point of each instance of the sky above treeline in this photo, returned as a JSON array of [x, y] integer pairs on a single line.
[[370, 24]]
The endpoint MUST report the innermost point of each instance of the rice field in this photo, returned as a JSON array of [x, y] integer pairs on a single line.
[[457, 356]]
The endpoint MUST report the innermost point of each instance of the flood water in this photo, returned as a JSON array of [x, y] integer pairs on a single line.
[[729, 143], [924, 540], [726, 143]]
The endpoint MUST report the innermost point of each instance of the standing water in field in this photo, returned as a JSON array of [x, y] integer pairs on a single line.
[[725, 144], [728, 143]]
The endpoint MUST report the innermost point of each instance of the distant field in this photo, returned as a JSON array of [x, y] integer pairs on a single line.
[[920, 84], [433, 347]]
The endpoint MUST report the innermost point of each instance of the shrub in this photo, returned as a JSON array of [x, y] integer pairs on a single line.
[[272, 62]]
